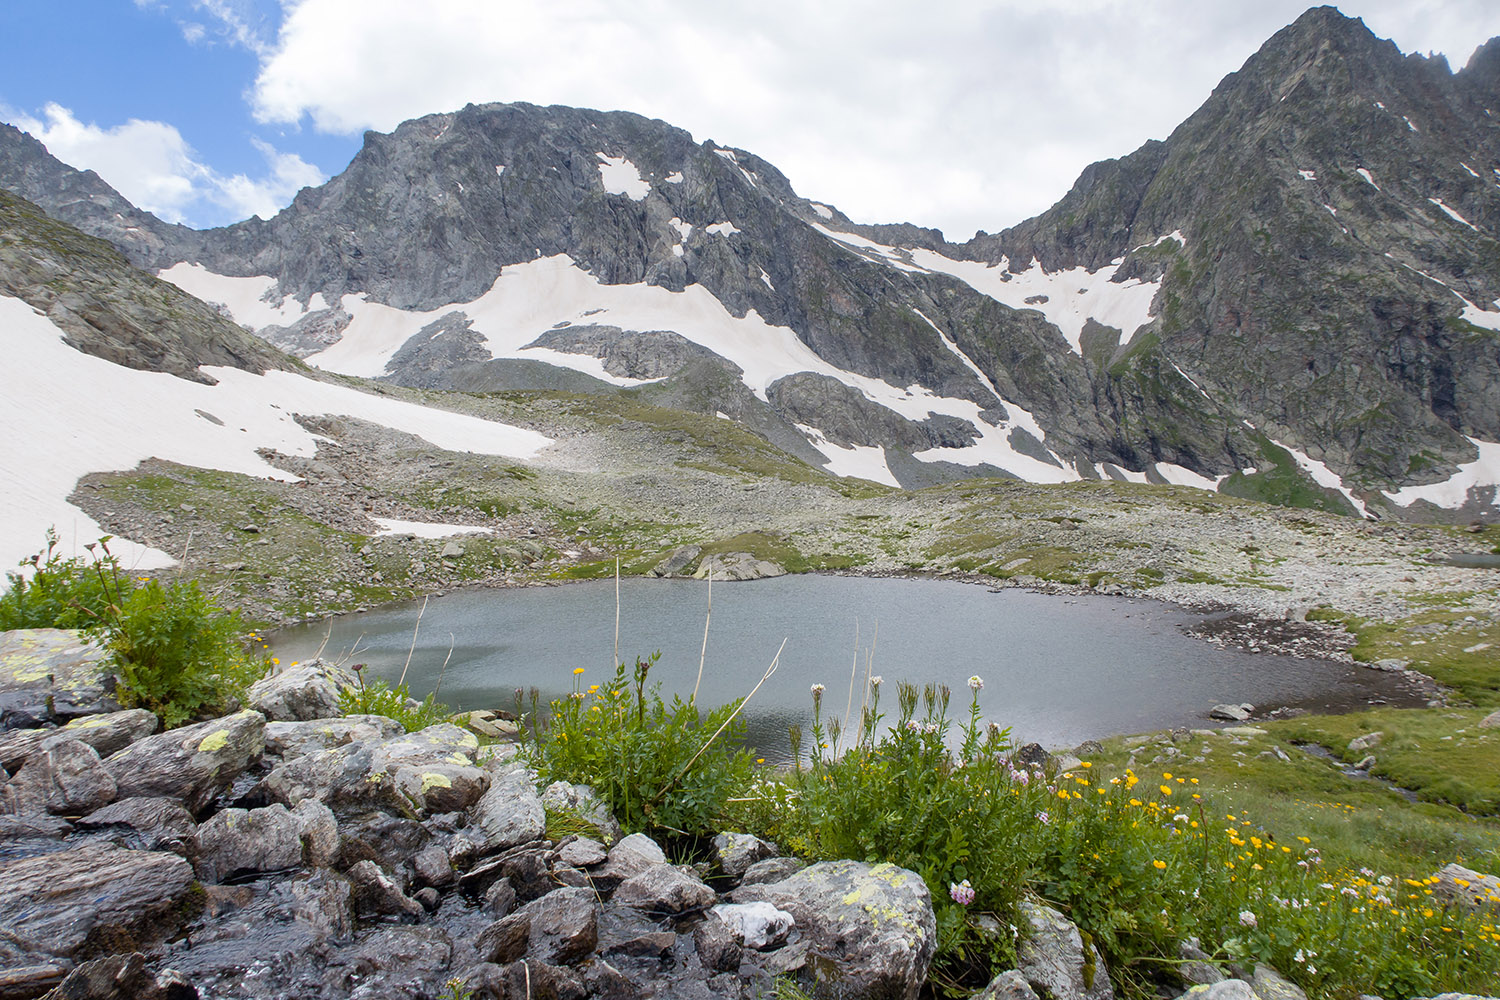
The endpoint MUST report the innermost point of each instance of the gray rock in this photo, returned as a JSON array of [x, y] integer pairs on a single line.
[[1053, 959], [1229, 713], [510, 813], [564, 926], [680, 559], [319, 831], [541, 981], [66, 778], [500, 898], [239, 842], [580, 801], [877, 918], [736, 852], [772, 870], [1196, 969], [1032, 755], [392, 962], [1466, 888], [581, 852], [1365, 763], [737, 566], [301, 693], [297, 739], [106, 733], [505, 940], [52, 675], [1009, 985], [376, 894], [192, 764], [719, 946], [53, 906], [157, 824], [1390, 665], [759, 926], [1269, 984], [118, 977], [1491, 721], [432, 867], [1366, 742], [664, 889]]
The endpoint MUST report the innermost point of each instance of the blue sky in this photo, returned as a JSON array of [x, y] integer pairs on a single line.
[[969, 114]]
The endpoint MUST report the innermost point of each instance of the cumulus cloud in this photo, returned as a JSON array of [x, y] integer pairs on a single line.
[[975, 113], [151, 164]]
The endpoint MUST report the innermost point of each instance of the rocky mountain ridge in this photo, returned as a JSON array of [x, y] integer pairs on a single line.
[[1290, 298]]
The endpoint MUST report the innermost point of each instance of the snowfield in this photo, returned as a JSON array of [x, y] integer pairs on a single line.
[[70, 414]]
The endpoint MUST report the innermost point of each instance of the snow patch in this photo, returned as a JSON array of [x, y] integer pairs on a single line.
[[860, 461], [620, 176], [1453, 492], [766, 279], [821, 209], [499, 170], [72, 414], [684, 229], [1308, 175], [1331, 210], [675, 177], [724, 229], [1409, 124], [1452, 214], [1469, 169], [1369, 177], [869, 249], [251, 302], [427, 529], [1323, 476]]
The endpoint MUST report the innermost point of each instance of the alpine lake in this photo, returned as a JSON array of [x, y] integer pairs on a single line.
[[1058, 670]]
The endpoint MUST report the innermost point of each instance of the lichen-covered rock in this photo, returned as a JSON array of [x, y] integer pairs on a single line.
[[580, 801], [1008, 985], [1269, 984], [150, 823], [66, 778], [300, 693], [236, 842], [107, 733], [877, 919], [1466, 888], [1054, 959], [663, 889], [192, 764], [54, 905], [564, 926], [52, 675], [296, 739]]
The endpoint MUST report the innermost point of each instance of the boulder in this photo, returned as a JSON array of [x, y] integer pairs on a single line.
[[1009, 985], [1491, 721], [432, 867], [678, 560], [505, 940], [376, 894], [1472, 890], [1229, 713], [580, 801], [877, 918], [564, 926], [66, 778], [737, 566], [1366, 742], [121, 977], [664, 890], [55, 906], [148, 824], [238, 842], [736, 852], [297, 739], [52, 675], [300, 693], [719, 947], [1053, 958], [629, 856], [192, 764], [106, 733], [580, 852], [319, 833], [508, 814], [1269, 984]]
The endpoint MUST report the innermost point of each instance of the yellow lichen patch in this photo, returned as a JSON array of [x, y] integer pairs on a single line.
[[87, 722], [432, 780], [459, 759], [215, 740]]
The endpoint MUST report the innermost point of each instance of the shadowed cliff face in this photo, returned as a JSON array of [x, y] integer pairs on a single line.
[[1315, 243]]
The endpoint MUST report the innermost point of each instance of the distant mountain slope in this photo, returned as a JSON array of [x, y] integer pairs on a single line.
[[1293, 297]]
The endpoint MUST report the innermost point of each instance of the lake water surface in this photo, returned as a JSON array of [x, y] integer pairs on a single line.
[[1057, 670]]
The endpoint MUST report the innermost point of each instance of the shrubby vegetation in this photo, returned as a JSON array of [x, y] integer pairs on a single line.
[[379, 698], [176, 651], [659, 766]]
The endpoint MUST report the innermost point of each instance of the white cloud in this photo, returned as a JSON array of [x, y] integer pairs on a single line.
[[967, 114], [153, 166]]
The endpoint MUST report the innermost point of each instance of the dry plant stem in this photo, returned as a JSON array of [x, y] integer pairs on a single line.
[[703, 654], [324, 644], [688, 766], [182, 566], [849, 702], [415, 628], [617, 611], [444, 668], [864, 700]]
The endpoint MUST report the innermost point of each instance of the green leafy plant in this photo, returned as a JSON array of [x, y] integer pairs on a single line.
[[177, 652], [53, 592], [379, 698], [657, 765]]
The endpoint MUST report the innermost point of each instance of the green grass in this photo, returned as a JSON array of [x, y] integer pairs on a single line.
[[1440, 643], [1284, 484]]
